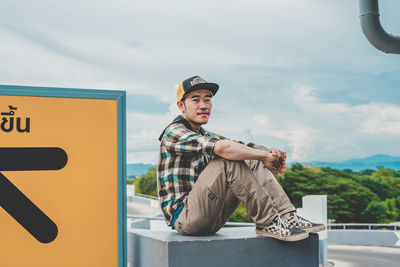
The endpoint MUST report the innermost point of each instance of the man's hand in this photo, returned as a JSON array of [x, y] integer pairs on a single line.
[[268, 162], [274, 159], [279, 164]]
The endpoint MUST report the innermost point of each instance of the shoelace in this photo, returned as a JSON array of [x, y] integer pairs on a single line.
[[282, 223]]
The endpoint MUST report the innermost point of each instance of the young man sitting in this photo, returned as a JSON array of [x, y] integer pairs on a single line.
[[202, 176]]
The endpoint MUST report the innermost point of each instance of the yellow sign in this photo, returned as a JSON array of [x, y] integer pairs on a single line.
[[60, 202]]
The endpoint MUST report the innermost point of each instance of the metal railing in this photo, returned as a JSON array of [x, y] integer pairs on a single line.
[[146, 196], [362, 226]]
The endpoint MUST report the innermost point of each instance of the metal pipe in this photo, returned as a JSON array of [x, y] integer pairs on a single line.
[[372, 28]]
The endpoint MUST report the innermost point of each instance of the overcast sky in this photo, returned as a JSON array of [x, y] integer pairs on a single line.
[[296, 75]]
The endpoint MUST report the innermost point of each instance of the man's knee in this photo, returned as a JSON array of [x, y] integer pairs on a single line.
[[234, 168], [224, 162], [234, 163]]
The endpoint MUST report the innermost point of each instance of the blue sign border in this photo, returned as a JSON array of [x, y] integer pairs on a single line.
[[120, 96]]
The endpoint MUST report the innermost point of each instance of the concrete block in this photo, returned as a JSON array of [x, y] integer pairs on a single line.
[[159, 225], [315, 209], [140, 224], [232, 247]]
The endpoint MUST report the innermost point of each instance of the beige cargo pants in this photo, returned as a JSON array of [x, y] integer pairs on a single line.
[[219, 189]]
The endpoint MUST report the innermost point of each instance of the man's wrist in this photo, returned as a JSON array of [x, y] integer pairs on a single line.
[[265, 155]]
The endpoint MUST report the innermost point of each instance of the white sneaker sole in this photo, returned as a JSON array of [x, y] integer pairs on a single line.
[[290, 238], [314, 229]]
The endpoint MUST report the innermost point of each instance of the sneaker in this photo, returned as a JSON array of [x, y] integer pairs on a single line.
[[303, 224], [280, 229]]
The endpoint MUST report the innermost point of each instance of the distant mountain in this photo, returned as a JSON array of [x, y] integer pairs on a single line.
[[137, 169], [371, 162]]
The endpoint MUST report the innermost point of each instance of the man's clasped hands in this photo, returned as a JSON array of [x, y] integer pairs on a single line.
[[276, 162]]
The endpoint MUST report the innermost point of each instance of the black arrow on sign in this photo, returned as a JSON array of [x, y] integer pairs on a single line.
[[16, 203]]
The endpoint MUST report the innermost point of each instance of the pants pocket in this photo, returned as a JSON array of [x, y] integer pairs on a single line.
[[182, 224]]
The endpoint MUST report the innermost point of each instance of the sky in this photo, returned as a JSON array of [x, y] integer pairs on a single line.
[[295, 75]]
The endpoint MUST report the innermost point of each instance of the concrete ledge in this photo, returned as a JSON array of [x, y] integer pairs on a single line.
[[383, 238], [232, 247]]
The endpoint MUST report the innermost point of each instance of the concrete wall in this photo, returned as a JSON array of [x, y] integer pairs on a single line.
[[139, 224], [315, 209], [383, 238]]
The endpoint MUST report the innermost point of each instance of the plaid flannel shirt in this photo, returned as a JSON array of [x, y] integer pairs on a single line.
[[183, 156]]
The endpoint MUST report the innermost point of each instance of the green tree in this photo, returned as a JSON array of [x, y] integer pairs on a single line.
[[240, 215], [367, 172], [393, 212], [148, 183], [296, 167], [387, 176], [347, 199], [378, 186], [397, 204], [382, 172], [375, 212]]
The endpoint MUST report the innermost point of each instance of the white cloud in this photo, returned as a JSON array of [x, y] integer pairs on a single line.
[[260, 120], [300, 142], [372, 118], [381, 120], [256, 49], [311, 129], [173, 111], [146, 157], [345, 127], [143, 131], [143, 140]]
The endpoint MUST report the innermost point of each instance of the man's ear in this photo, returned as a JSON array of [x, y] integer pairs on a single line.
[[181, 105]]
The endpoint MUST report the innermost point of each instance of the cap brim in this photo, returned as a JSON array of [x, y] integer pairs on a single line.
[[212, 87]]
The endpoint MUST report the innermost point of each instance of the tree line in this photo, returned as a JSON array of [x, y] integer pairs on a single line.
[[367, 196]]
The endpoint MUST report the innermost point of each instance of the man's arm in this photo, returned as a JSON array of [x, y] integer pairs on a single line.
[[273, 161], [232, 150]]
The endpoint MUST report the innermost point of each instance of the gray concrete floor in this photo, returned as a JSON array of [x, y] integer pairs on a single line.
[[363, 256]]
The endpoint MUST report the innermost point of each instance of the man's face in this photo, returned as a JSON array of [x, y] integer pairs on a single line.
[[196, 106]]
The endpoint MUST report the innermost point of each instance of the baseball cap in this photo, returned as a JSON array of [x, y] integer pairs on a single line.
[[195, 83]]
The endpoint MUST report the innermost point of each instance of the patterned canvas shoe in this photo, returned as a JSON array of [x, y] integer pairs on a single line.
[[303, 224], [281, 230]]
